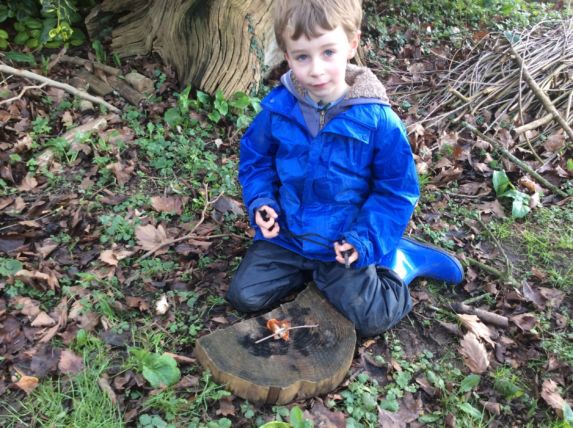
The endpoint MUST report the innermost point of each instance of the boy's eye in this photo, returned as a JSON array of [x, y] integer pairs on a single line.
[[302, 57], [329, 52]]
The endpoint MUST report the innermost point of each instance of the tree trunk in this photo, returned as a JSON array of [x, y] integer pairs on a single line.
[[212, 44], [312, 362]]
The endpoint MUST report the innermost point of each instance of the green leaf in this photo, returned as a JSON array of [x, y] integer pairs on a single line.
[[21, 38], [390, 405], [173, 117], [470, 410], [160, 370], [469, 383], [203, 98], [296, 417], [32, 43], [240, 100], [9, 267], [507, 388], [275, 424], [3, 44], [32, 23], [3, 34], [520, 207], [214, 116], [570, 165], [567, 414], [501, 182], [20, 57]]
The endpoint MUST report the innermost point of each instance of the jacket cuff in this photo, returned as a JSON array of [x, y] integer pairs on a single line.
[[361, 247], [259, 202]]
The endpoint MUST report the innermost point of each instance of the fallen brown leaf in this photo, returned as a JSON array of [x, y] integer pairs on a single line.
[[150, 237], [27, 383], [474, 353], [70, 362], [107, 389], [168, 204], [473, 324], [550, 393], [524, 321], [43, 320]]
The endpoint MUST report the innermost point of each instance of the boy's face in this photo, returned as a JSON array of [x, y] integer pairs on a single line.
[[319, 64]]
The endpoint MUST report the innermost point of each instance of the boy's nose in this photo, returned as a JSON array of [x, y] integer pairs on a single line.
[[316, 68]]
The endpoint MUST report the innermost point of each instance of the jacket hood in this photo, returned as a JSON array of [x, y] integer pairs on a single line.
[[364, 87]]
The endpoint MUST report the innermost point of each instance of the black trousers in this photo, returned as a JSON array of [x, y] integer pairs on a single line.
[[374, 299]]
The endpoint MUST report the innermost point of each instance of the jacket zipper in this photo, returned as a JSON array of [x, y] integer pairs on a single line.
[[321, 119]]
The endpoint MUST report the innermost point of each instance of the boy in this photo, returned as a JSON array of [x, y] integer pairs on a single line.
[[328, 177]]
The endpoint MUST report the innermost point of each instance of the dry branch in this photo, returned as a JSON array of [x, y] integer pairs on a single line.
[[483, 315], [68, 88], [549, 106]]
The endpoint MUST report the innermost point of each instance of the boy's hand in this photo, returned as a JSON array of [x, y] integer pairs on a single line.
[[266, 219], [345, 253]]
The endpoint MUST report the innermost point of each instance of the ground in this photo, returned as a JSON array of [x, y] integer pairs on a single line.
[[117, 247]]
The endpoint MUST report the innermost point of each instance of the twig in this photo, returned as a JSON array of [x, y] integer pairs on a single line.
[[522, 165], [68, 88], [493, 271], [284, 330], [541, 95], [191, 234], [84, 62], [485, 316], [22, 92]]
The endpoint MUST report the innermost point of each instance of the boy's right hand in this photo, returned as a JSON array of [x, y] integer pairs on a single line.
[[266, 219]]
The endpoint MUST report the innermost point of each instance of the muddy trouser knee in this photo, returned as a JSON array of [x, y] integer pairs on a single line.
[[266, 274], [374, 299]]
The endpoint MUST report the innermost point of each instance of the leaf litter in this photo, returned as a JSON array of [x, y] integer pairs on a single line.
[[49, 231]]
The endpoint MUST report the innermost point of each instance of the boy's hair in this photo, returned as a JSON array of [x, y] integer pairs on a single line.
[[309, 17]]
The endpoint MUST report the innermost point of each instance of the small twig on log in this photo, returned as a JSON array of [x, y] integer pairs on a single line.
[[540, 94], [68, 88], [522, 165], [534, 124], [485, 316], [284, 330], [191, 234], [22, 92], [476, 298]]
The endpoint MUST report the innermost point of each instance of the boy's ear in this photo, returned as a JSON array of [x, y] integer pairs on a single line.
[[354, 43]]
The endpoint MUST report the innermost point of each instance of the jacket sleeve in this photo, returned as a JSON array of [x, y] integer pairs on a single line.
[[394, 193], [257, 171]]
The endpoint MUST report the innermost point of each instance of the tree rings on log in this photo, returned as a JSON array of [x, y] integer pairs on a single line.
[[312, 362]]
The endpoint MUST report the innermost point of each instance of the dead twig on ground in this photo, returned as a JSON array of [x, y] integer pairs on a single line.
[[485, 316], [68, 88]]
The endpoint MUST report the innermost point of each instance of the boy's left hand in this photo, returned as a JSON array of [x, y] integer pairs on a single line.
[[340, 248]]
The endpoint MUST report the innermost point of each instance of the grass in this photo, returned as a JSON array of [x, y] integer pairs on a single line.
[[75, 401]]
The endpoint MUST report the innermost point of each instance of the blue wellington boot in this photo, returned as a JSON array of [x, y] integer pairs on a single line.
[[413, 259]]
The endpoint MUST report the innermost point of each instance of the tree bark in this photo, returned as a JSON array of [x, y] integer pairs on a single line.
[[212, 44]]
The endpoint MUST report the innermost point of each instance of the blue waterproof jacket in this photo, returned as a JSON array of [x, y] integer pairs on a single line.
[[353, 177]]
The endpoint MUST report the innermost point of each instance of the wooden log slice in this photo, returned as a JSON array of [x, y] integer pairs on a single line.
[[313, 361]]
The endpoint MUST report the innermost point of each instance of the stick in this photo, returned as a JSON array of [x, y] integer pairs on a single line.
[[522, 165], [485, 316], [283, 330], [22, 92], [541, 95], [84, 62], [68, 88], [493, 271]]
